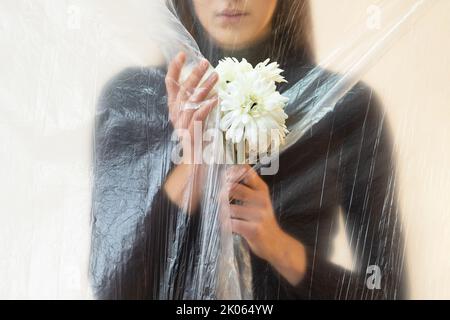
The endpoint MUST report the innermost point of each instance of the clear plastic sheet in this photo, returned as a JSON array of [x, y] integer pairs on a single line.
[[104, 208]]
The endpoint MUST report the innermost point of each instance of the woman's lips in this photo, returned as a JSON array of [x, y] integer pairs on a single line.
[[232, 16]]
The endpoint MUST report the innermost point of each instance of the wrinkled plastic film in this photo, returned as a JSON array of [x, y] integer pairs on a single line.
[[353, 60], [119, 235]]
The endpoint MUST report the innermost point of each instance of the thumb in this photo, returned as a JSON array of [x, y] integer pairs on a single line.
[[206, 108]]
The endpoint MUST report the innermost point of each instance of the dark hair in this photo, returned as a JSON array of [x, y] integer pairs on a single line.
[[291, 27]]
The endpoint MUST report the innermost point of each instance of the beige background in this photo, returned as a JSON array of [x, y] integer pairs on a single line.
[[413, 80], [59, 53]]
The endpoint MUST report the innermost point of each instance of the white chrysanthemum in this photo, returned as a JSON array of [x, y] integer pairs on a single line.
[[271, 72], [229, 69], [253, 110]]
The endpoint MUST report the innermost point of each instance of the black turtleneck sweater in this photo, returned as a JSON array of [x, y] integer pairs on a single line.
[[344, 163]]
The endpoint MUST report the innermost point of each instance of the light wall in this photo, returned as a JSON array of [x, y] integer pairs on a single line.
[[59, 54], [413, 80]]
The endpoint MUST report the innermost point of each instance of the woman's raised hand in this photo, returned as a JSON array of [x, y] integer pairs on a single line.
[[189, 105], [189, 101]]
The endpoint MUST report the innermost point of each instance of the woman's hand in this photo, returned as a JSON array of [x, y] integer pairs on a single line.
[[188, 107], [254, 219], [188, 102]]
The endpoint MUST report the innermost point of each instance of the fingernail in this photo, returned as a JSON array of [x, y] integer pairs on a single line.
[[213, 76], [213, 79], [204, 63]]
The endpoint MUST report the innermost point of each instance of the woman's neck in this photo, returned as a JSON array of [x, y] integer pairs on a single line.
[[267, 47], [256, 52], [248, 49]]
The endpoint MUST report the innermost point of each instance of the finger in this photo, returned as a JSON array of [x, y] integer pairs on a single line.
[[236, 173], [173, 75], [184, 112], [223, 198], [246, 175], [244, 213], [205, 109], [241, 192], [224, 207], [203, 91], [190, 116], [242, 228], [187, 88]]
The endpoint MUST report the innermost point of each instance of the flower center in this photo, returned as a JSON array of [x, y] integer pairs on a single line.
[[253, 103]]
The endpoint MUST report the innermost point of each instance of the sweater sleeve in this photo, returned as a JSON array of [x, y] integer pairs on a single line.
[[134, 221], [147, 265], [367, 196]]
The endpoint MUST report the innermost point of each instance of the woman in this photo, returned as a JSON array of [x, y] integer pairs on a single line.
[[288, 219]]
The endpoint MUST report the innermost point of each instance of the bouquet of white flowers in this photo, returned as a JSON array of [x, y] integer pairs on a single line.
[[252, 110], [252, 124]]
